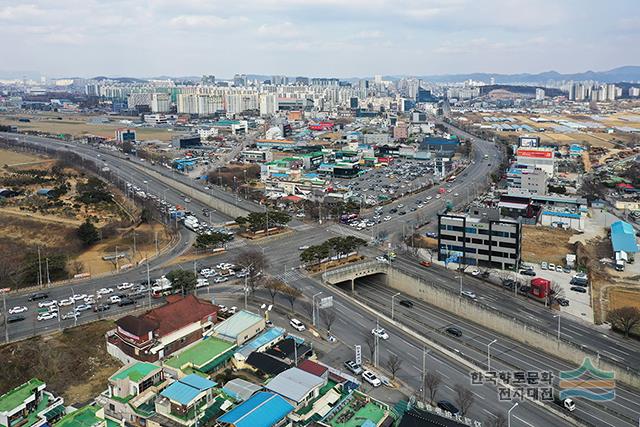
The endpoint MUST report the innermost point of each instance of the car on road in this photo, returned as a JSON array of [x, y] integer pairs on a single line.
[[353, 367], [220, 279], [48, 315], [15, 318], [65, 302], [381, 258], [222, 308], [90, 300], [125, 301], [469, 295], [114, 299], [83, 307], [101, 307], [380, 333], [451, 330], [47, 304], [300, 215], [297, 325], [425, 263], [70, 315], [17, 310], [105, 291], [406, 303], [304, 247], [78, 297], [445, 405], [475, 272], [579, 289], [125, 286], [431, 234], [371, 378], [269, 324], [38, 296]]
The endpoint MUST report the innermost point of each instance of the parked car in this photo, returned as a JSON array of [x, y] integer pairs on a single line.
[[552, 266], [38, 296], [445, 405], [70, 315], [380, 333], [17, 310], [47, 304], [353, 367], [432, 234], [543, 265], [475, 272], [78, 297], [579, 289], [83, 307], [406, 303], [454, 331], [65, 302], [297, 325], [233, 310], [220, 279], [371, 378], [528, 273], [563, 301]]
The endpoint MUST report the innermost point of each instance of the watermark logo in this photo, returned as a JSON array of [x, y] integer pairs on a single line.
[[587, 382]]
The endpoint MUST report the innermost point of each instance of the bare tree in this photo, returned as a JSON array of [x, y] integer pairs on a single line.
[[77, 267], [370, 341], [464, 398], [254, 262], [274, 287], [499, 420], [328, 316], [624, 319], [291, 293], [432, 382], [393, 364], [555, 291]]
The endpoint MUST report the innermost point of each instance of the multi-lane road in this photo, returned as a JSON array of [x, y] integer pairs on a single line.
[[353, 321]]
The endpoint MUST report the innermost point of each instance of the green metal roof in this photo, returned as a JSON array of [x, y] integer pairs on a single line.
[[136, 372], [84, 417], [13, 398], [200, 354]]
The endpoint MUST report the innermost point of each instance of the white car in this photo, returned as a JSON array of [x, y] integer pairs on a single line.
[[381, 259], [78, 297], [475, 272], [105, 291], [125, 286], [303, 248], [90, 300], [233, 310], [222, 308], [70, 315], [544, 265], [429, 197], [17, 310], [83, 307], [437, 196], [65, 302], [48, 315], [552, 267], [380, 333], [387, 218], [220, 279], [114, 299], [47, 304], [371, 378], [297, 325], [300, 215], [469, 294]]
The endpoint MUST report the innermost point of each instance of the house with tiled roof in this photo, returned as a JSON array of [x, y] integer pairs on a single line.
[[162, 331], [30, 405]]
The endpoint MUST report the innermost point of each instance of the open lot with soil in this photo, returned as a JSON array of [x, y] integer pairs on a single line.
[[546, 244], [619, 298], [74, 363]]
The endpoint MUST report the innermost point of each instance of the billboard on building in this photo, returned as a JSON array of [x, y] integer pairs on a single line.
[[529, 141], [538, 154]]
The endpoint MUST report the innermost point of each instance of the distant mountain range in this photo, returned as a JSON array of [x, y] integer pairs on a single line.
[[629, 73]]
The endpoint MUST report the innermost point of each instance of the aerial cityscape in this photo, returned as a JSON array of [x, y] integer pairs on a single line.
[[319, 213]]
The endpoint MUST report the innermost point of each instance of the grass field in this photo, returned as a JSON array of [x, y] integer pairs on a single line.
[[73, 363], [11, 157], [624, 298], [78, 125]]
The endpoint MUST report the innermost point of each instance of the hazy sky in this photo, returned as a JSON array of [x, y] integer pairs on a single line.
[[316, 37]]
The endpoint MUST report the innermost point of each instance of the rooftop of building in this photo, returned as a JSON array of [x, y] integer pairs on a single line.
[[135, 372], [200, 354], [237, 323], [15, 397], [294, 384], [357, 413], [83, 417], [186, 389], [263, 409], [266, 337], [623, 237]]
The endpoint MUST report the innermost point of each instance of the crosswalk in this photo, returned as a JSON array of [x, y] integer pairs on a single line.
[[302, 227], [290, 276], [236, 243], [348, 231]]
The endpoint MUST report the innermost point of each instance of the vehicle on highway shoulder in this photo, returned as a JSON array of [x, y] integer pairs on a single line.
[[38, 296]]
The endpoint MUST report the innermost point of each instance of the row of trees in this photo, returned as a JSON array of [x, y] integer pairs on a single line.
[[256, 221], [625, 320], [212, 241], [336, 246]]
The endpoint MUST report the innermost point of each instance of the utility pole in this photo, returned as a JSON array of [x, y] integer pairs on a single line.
[[157, 251], [148, 284], [48, 278], [39, 268], [134, 244], [4, 309], [117, 266], [424, 371]]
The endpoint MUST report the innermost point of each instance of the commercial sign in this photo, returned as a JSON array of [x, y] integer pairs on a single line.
[[538, 154], [326, 302], [358, 355], [529, 141]]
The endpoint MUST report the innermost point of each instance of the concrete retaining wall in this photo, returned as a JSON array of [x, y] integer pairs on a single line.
[[513, 328]]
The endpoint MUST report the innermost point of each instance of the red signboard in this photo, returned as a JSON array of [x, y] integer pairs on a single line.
[[535, 153]]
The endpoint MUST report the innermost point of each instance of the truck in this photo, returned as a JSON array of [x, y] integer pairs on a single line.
[[192, 225], [162, 286]]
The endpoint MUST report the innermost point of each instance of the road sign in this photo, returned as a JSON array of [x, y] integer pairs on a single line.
[[358, 355], [326, 302]]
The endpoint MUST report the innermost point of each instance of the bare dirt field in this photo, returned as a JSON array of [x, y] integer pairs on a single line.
[[79, 125], [624, 298], [9, 158], [73, 363], [546, 244]]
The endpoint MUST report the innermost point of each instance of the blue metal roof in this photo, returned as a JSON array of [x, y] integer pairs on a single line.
[[186, 389], [266, 337], [562, 214], [263, 409], [623, 237]]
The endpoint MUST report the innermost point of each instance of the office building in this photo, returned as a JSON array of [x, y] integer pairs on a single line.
[[540, 94], [529, 179], [484, 240], [128, 135], [160, 103], [536, 157]]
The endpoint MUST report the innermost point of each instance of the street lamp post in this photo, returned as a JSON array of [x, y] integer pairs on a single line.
[[489, 355], [393, 305], [558, 316], [460, 277], [509, 414], [313, 307]]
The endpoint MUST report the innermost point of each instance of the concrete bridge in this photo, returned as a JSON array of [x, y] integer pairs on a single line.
[[354, 271]]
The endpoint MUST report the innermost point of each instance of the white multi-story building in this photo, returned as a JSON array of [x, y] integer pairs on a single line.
[[160, 103]]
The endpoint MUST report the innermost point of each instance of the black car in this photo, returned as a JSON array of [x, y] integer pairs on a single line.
[[406, 303], [402, 213], [394, 210], [38, 296], [445, 405], [579, 289], [563, 301], [454, 331], [101, 307], [15, 318], [528, 272], [126, 301]]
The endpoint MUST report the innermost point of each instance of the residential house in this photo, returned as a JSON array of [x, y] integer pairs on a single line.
[[90, 415], [296, 385], [264, 409], [186, 400], [240, 328], [29, 404]]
